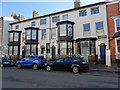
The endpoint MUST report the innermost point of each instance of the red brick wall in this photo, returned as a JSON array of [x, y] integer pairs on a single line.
[[112, 10]]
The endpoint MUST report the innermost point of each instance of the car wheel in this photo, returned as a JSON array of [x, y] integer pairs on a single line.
[[48, 68], [35, 66], [19, 66], [75, 69]]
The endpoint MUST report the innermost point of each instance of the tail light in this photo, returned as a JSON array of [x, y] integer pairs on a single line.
[[39, 60], [84, 62]]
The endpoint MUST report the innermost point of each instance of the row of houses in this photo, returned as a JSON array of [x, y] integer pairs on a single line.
[[83, 30]]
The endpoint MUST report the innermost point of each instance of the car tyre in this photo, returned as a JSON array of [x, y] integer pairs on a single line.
[[48, 68], [35, 66], [19, 66], [75, 69]]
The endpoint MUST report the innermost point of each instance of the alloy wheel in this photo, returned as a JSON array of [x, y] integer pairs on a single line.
[[75, 69]]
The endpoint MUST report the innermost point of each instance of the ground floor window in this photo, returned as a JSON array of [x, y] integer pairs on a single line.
[[63, 48], [13, 50], [86, 47], [118, 45], [31, 49]]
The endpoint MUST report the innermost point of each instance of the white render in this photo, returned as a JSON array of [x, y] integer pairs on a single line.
[[78, 26]]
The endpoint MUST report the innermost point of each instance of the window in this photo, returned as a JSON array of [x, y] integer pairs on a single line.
[[28, 34], [27, 49], [15, 50], [10, 50], [65, 17], [16, 36], [33, 34], [43, 34], [17, 27], [11, 37], [47, 47], [42, 22], [63, 48], [53, 33], [117, 25], [118, 45], [83, 13], [63, 30], [99, 25], [95, 10], [55, 19], [86, 27], [33, 49], [33, 23]]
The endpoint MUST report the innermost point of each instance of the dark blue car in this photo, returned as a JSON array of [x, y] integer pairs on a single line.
[[31, 61]]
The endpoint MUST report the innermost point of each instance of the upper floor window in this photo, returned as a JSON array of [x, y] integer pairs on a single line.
[[33, 23], [55, 19], [99, 26], [28, 34], [43, 21], [83, 13], [17, 27], [14, 36], [117, 24], [65, 17], [43, 34], [31, 34], [95, 10], [86, 27]]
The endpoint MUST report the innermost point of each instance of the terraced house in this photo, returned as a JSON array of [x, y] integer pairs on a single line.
[[82, 30]]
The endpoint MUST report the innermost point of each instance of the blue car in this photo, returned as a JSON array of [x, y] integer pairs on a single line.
[[31, 61]]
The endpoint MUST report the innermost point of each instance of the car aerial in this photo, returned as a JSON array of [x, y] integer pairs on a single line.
[[31, 61], [75, 64], [6, 62]]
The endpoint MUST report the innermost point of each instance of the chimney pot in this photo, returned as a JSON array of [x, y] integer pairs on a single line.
[[35, 14], [77, 3]]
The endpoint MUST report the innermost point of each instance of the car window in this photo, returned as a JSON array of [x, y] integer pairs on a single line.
[[27, 59], [60, 60], [68, 59]]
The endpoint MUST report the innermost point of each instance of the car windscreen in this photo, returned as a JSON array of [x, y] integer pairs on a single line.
[[79, 59]]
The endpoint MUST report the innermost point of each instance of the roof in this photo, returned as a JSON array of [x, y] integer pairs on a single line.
[[104, 2]]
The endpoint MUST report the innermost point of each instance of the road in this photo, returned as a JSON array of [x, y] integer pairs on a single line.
[[28, 78]]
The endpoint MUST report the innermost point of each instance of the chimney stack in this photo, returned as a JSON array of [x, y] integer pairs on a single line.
[[77, 3], [35, 14], [21, 18], [14, 15]]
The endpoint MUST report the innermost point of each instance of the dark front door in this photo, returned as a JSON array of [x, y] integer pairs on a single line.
[[53, 52], [103, 52]]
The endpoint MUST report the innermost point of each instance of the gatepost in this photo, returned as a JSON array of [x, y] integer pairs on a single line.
[[108, 58]]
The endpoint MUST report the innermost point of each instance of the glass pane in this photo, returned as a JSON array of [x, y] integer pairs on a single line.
[[34, 34], [15, 50], [63, 48], [65, 17], [27, 49], [33, 49], [63, 30], [10, 50], [11, 37], [16, 36], [28, 34]]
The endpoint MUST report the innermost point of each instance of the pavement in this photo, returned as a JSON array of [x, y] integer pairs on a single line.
[[114, 68]]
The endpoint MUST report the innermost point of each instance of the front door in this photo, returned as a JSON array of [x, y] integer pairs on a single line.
[[103, 52]]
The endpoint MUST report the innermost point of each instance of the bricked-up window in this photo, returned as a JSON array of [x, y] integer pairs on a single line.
[[55, 19], [117, 25], [118, 45], [83, 13], [53, 33], [86, 27], [43, 21], [33, 23], [43, 34], [95, 10]]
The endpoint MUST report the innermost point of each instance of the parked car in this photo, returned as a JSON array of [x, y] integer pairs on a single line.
[[31, 61], [75, 64], [6, 62]]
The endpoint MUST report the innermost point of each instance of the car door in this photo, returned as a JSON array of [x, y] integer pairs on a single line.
[[59, 64], [68, 62], [27, 62]]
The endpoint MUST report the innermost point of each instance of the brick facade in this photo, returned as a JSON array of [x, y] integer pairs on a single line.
[[112, 10]]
